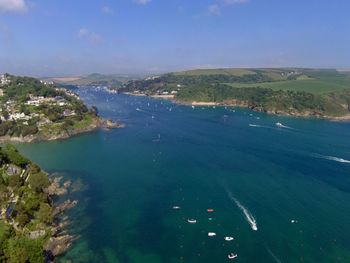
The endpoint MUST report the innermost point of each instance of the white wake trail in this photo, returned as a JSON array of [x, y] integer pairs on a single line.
[[332, 158], [340, 160], [250, 218], [273, 255]]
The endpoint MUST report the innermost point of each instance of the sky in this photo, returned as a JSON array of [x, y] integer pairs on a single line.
[[74, 37]]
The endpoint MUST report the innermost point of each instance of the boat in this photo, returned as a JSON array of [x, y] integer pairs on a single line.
[[191, 221], [232, 256], [176, 207], [211, 234], [192, 107], [229, 238], [210, 210], [278, 124]]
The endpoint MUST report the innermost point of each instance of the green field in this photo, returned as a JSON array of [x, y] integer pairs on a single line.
[[316, 81], [223, 71], [316, 86]]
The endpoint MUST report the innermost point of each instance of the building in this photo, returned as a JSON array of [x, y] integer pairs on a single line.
[[4, 80]]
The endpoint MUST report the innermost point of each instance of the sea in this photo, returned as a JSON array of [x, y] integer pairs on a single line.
[[282, 192]]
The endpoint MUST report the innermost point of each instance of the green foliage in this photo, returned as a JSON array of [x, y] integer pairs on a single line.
[[285, 90], [22, 219], [15, 181], [14, 156], [21, 249], [44, 214], [38, 181], [33, 207], [20, 88]]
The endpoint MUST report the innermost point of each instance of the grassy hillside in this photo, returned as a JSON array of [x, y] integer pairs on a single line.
[[294, 91]]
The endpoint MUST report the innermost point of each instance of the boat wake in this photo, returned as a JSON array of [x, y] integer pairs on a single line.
[[258, 126], [332, 158], [280, 125], [273, 255], [250, 218]]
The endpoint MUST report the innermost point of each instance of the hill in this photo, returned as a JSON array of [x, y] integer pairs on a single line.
[[95, 79], [31, 110], [293, 91]]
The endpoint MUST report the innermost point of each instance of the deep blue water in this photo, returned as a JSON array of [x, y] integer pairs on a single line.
[[234, 161]]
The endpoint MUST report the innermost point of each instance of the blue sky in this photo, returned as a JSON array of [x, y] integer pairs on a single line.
[[66, 37]]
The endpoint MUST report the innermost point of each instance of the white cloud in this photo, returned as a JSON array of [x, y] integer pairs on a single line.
[[13, 6], [90, 36], [214, 9], [235, 2], [143, 2], [107, 10]]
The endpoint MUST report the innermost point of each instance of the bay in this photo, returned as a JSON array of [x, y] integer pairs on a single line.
[[292, 182]]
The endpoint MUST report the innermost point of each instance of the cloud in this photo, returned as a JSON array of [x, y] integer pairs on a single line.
[[143, 2], [234, 2], [214, 9], [107, 10], [13, 6], [90, 36]]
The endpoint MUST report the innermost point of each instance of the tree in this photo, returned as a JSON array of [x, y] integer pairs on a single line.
[[21, 249], [15, 181], [38, 181], [15, 157], [45, 213], [22, 219]]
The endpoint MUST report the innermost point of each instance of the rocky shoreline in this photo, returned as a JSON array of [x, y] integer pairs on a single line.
[[60, 241], [99, 123]]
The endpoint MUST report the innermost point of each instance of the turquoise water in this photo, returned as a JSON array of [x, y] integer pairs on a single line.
[[168, 155]]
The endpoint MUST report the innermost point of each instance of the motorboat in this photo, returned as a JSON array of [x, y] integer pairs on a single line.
[[211, 234], [229, 238], [191, 221], [210, 210], [175, 207], [232, 256], [278, 124]]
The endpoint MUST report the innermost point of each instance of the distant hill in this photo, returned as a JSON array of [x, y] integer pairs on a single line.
[[293, 91], [95, 79]]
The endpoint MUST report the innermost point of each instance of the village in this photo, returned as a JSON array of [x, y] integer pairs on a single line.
[[12, 110]]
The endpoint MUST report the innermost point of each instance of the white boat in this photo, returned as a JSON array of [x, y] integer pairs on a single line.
[[192, 107], [229, 238], [278, 124], [191, 221], [176, 207], [232, 256], [211, 234]]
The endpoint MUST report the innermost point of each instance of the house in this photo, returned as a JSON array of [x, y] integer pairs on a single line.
[[33, 102], [12, 170], [19, 116], [68, 112], [4, 80]]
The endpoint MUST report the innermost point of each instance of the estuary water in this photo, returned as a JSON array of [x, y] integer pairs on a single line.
[[282, 193]]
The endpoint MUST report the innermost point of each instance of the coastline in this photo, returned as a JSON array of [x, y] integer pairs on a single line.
[[244, 104], [97, 124], [60, 240]]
